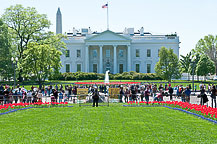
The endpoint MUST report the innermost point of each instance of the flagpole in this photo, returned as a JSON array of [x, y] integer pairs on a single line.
[[107, 17]]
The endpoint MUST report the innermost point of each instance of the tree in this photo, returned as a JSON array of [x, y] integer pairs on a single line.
[[195, 58], [208, 46], [43, 57], [168, 66], [26, 25], [205, 66], [6, 69], [185, 62]]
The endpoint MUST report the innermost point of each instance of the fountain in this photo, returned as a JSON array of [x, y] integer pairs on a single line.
[[106, 77]]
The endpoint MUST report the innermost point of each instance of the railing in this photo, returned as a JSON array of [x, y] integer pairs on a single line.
[[104, 98]]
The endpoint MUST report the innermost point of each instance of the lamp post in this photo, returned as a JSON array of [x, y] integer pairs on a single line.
[[193, 62], [14, 64]]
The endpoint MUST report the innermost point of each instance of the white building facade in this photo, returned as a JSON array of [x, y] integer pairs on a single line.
[[118, 52]]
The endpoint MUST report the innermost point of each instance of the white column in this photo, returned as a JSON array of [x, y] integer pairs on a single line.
[[128, 58], [115, 59], [87, 58], [100, 59]]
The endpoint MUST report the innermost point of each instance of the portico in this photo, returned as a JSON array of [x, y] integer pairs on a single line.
[[107, 51]]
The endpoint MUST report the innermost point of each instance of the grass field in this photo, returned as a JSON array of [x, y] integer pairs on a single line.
[[113, 124]]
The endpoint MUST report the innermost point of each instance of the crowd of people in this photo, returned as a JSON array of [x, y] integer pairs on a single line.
[[134, 92]]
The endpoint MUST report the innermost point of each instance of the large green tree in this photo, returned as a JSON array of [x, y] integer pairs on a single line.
[[208, 46], [205, 66], [185, 62], [26, 25], [43, 57], [168, 66], [195, 57], [6, 69]]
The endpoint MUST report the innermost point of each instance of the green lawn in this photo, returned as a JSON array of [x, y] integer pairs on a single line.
[[113, 124]]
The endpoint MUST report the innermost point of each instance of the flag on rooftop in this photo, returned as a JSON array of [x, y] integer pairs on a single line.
[[105, 6]]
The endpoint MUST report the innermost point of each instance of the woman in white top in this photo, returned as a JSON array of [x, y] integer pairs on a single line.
[[29, 97]]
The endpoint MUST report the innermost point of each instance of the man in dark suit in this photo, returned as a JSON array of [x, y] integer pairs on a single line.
[[95, 97]]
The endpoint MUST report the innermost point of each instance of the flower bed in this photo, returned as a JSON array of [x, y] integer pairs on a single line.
[[6, 108], [203, 110]]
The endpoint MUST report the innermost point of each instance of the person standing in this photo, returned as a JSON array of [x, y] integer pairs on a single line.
[[171, 93], [16, 96], [187, 94], [213, 95], [40, 96], [60, 96], [29, 97], [95, 97], [142, 94], [6, 95], [10, 100], [121, 94], [127, 93], [203, 96], [55, 94], [147, 93]]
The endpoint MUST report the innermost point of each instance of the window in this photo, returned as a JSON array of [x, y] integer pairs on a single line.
[[137, 52], [95, 53], [121, 68], [148, 68], [95, 68], [121, 53], [137, 68], [107, 53], [148, 53], [78, 67], [67, 53], [67, 67], [78, 53]]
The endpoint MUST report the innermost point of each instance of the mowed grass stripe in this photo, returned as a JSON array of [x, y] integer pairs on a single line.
[[105, 125]]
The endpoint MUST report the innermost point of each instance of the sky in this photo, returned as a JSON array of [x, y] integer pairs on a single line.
[[190, 19]]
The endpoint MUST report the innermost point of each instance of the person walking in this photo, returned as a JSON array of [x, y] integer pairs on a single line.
[[95, 97]]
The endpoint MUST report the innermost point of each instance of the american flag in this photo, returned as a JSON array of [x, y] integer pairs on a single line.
[[105, 6]]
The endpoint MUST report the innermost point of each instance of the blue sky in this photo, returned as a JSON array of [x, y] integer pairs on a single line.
[[191, 19]]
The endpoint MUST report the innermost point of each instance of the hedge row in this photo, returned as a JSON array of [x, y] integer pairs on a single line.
[[96, 76]]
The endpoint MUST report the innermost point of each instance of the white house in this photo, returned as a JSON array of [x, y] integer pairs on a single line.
[[118, 52]]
